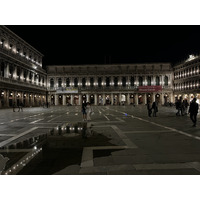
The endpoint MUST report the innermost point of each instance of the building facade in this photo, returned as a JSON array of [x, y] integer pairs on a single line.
[[22, 78], [187, 79], [110, 84]]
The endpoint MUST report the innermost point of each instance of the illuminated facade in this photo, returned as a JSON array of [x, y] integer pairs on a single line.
[[110, 84], [187, 79], [22, 78]]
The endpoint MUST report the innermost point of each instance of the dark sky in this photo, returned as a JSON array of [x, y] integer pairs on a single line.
[[125, 44]]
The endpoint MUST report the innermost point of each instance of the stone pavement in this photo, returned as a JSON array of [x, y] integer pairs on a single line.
[[167, 144]]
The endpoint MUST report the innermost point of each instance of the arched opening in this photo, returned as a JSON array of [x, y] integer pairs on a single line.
[[68, 98], [100, 100], [84, 98], [52, 100], [60, 99], [115, 99], [51, 83], [11, 98], [92, 99], [140, 99], [132, 99], [76, 99], [108, 102], [123, 99], [157, 98]]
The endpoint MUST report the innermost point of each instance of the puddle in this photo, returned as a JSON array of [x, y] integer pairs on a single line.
[[45, 154]]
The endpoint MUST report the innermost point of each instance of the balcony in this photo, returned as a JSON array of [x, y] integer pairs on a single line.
[[16, 56], [21, 84]]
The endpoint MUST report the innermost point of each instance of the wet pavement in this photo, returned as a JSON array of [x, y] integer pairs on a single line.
[[118, 140]]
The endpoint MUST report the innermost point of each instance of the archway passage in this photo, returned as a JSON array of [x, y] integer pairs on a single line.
[[76, 99], [140, 99], [92, 99]]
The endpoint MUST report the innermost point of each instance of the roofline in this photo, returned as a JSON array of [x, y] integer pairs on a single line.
[[7, 29]]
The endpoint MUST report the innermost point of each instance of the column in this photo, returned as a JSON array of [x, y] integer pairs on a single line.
[[136, 99], [104, 99], [171, 97], [154, 98], [120, 98], [111, 98], [145, 99], [64, 99], [15, 72], [87, 97], [95, 99], [33, 77], [128, 99], [72, 99], [6, 70], [56, 99], [7, 98], [79, 100], [22, 75], [162, 99]]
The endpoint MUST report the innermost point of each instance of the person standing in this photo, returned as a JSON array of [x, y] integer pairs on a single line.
[[193, 110], [20, 107], [88, 111], [14, 105], [155, 108], [84, 111], [149, 108]]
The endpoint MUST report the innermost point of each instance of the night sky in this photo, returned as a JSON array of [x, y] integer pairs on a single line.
[[62, 45]]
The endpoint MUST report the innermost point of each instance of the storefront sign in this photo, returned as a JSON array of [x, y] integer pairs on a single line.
[[153, 88], [67, 90]]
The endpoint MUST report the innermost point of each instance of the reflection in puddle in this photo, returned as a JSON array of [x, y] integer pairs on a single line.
[[48, 153]]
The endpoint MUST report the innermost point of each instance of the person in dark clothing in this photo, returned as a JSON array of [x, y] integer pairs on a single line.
[[20, 107], [84, 111], [149, 109], [193, 110], [14, 105], [155, 108]]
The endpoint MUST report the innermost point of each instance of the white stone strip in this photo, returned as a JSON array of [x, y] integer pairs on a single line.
[[161, 131], [87, 156], [36, 121], [162, 166], [124, 138], [17, 136], [121, 120], [14, 150], [7, 135], [53, 118], [106, 117], [99, 111]]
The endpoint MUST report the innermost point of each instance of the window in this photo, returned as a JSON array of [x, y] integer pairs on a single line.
[[149, 81], [124, 81], [157, 80], [51, 83], [166, 81], [132, 81], [83, 82], [107, 81], [99, 82], [59, 82], [115, 81], [92, 82], [140, 81], [67, 82], [76, 82]]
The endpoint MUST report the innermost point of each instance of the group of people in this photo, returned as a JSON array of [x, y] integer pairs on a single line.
[[153, 107], [182, 107], [87, 111], [20, 106]]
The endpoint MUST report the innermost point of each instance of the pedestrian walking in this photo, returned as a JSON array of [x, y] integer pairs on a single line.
[[14, 105], [89, 111], [20, 107], [84, 111], [155, 108], [193, 110], [149, 108], [178, 107]]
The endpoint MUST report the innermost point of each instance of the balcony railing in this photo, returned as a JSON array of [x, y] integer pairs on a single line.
[[16, 56], [22, 84], [102, 88]]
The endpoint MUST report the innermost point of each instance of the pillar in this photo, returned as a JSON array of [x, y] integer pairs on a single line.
[[72, 99], [6, 70], [128, 99], [56, 99], [104, 99], [87, 97], [162, 99], [112, 98], [136, 99], [95, 99], [79, 99], [64, 99], [145, 99], [154, 97], [120, 98]]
